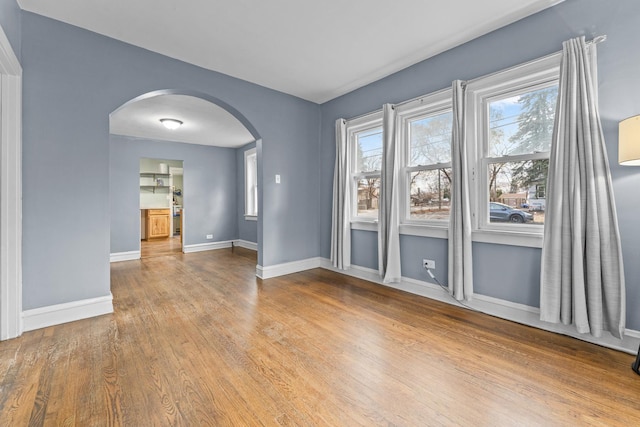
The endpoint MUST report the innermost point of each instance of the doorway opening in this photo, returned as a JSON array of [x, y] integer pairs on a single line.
[[161, 207], [206, 121]]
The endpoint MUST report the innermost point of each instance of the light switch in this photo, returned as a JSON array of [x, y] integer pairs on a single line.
[[277, 179]]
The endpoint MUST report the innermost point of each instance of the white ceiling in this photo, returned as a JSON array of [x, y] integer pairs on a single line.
[[316, 50], [203, 122]]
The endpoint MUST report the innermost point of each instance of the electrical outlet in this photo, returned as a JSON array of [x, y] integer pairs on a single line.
[[429, 263], [209, 236]]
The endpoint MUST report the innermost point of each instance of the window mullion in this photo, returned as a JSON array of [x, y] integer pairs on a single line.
[[519, 157], [434, 166]]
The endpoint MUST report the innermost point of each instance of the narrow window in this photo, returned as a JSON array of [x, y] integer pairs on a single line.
[[251, 184], [365, 141]]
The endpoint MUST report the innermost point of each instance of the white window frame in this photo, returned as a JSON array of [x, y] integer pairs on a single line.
[[425, 106], [251, 185], [522, 78], [354, 127]]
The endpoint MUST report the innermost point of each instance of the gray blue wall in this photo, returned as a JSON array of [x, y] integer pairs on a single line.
[[508, 272], [247, 230], [72, 80], [209, 190], [10, 23]]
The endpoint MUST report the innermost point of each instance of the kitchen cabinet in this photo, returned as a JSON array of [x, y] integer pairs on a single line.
[[157, 223]]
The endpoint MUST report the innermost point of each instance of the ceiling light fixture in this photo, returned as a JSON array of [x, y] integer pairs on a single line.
[[171, 124]]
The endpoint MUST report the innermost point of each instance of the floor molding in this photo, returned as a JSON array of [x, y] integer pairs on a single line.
[[68, 312], [200, 247], [272, 271], [124, 256], [246, 244], [133, 255], [507, 310]]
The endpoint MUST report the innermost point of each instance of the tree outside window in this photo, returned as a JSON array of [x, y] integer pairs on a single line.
[[368, 162], [429, 166], [520, 131]]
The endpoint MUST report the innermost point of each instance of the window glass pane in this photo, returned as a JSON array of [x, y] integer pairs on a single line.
[[369, 150], [251, 184], [430, 194], [368, 192], [522, 124], [515, 191], [430, 140]]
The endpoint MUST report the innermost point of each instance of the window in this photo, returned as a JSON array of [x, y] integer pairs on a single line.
[[365, 143], [424, 135], [511, 124], [510, 119], [251, 184]]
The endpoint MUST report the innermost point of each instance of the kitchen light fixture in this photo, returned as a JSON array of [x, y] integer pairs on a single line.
[[629, 141], [171, 124]]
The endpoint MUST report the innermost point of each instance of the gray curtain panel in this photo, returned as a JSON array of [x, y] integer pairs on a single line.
[[460, 261], [582, 276], [341, 212], [389, 205]]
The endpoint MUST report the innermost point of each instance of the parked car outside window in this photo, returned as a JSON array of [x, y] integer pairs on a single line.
[[499, 212]]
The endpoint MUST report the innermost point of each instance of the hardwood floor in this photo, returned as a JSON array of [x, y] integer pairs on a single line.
[[197, 339], [160, 247]]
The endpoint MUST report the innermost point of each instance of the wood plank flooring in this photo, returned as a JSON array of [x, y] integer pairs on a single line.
[[198, 340], [160, 247]]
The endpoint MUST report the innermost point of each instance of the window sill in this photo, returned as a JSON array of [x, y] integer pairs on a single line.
[[250, 217], [513, 238], [497, 237], [424, 231], [364, 225]]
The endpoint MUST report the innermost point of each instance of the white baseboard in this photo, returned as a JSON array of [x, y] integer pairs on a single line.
[[62, 313], [530, 316], [124, 256], [632, 333], [287, 268], [187, 249], [507, 310], [246, 244], [132, 255]]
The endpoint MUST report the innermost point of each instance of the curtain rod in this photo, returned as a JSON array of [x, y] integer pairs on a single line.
[[595, 40], [363, 115], [418, 98], [598, 39]]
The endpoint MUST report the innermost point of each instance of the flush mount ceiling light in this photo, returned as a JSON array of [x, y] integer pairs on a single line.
[[171, 123]]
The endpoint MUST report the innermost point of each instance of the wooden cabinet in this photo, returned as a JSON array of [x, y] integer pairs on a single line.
[[157, 223]]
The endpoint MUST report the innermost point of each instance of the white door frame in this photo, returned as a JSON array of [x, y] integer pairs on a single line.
[[181, 170], [10, 191]]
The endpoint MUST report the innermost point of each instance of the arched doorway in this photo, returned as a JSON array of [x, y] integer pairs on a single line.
[[139, 120]]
